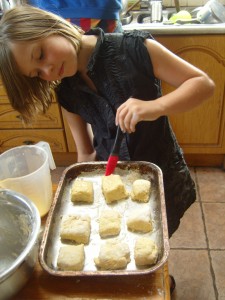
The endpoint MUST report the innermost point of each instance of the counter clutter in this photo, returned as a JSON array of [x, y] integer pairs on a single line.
[[158, 28], [203, 20]]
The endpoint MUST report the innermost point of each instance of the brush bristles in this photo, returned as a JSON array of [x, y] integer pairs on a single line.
[[111, 165]]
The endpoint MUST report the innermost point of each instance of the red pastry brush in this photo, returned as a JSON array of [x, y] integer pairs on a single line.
[[114, 155]]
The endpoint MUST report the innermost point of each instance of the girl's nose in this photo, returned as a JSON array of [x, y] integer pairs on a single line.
[[47, 72]]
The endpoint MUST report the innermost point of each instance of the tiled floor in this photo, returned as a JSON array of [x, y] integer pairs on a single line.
[[197, 255]]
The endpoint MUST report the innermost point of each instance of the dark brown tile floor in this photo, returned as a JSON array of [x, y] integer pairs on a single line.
[[197, 254]]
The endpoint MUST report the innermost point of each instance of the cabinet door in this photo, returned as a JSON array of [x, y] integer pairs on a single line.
[[202, 129]]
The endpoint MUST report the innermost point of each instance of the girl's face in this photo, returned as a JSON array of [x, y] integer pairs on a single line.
[[50, 59]]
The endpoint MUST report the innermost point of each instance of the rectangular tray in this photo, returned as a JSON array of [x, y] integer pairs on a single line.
[[62, 205]]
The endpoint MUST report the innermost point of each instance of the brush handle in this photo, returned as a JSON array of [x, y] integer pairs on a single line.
[[114, 155], [117, 143]]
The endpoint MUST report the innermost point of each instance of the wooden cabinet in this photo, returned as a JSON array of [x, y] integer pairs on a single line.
[[49, 128], [201, 132]]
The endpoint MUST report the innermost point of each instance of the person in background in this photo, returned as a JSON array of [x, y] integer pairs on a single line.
[[86, 14], [104, 80]]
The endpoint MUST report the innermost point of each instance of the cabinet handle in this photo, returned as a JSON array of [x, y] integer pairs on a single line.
[[19, 117], [28, 142]]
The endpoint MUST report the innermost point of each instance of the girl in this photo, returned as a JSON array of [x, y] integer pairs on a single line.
[[104, 80]]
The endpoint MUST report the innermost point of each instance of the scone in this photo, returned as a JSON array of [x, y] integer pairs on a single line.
[[71, 257], [109, 223], [145, 252], [113, 255], [113, 188], [141, 190], [76, 228], [139, 220], [82, 191]]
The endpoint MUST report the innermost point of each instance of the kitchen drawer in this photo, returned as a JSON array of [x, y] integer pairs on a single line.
[[3, 92], [4, 97], [9, 118], [13, 138]]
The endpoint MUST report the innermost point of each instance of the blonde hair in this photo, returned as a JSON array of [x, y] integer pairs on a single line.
[[30, 96]]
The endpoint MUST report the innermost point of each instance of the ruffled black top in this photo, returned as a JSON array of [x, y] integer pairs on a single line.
[[120, 67]]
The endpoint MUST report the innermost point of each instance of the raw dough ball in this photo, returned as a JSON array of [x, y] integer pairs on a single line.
[[140, 220], [145, 252], [71, 257], [113, 188], [109, 223], [141, 190], [82, 191], [113, 255], [76, 228]]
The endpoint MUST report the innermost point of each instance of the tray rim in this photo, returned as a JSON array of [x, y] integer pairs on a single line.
[[104, 273]]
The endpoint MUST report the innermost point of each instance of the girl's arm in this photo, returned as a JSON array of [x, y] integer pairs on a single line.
[[82, 135], [193, 86]]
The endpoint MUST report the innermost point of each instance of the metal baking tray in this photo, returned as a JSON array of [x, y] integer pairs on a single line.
[[62, 205]]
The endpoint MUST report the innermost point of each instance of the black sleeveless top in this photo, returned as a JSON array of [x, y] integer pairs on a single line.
[[120, 67]]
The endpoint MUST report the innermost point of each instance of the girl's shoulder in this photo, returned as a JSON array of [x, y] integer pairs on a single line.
[[138, 34]]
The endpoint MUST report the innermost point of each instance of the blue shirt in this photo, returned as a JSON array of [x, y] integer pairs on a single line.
[[95, 9]]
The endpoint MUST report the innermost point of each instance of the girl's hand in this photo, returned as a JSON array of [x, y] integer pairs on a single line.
[[133, 111]]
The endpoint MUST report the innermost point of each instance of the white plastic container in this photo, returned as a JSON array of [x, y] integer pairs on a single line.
[[26, 169]]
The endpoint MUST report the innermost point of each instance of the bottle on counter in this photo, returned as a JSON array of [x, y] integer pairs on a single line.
[[156, 11]]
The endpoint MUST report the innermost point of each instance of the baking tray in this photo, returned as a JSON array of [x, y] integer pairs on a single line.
[[62, 205]]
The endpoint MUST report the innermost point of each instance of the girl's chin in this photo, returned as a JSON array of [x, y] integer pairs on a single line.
[[70, 74]]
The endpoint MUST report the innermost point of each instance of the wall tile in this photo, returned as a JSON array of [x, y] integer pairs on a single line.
[[195, 2], [167, 3], [221, 1], [189, 2], [183, 2]]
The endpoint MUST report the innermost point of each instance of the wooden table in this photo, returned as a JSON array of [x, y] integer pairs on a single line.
[[42, 285], [45, 286]]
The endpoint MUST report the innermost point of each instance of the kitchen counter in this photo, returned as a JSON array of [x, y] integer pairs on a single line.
[[193, 29], [42, 285]]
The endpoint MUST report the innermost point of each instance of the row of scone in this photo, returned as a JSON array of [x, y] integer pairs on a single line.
[[77, 228], [113, 189], [113, 255]]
